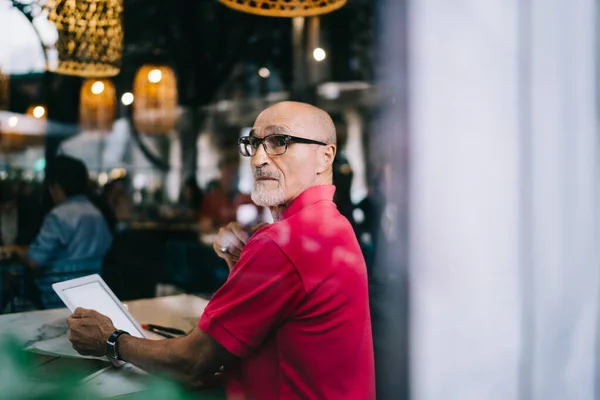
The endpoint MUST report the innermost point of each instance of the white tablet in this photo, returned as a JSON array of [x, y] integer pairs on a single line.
[[91, 292]]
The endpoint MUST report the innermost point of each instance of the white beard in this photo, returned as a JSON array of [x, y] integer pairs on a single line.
[[263, 197]]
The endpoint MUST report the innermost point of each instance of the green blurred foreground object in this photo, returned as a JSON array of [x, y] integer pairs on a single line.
[[19, 380]]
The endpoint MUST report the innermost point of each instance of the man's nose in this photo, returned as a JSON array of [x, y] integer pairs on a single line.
[[261, 157]]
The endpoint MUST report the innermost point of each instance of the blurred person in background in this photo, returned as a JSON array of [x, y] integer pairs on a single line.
[[220, 205], [18, 216], [116, 196], [95, 196], [9, 213], [342, 179], [190, 200], [292, 321], [74, 237], [342, 171]]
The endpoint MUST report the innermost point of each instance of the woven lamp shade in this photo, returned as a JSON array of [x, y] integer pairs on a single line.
[[155, 108], [90, 37], [97, 105], [285, 8], [4, 91]]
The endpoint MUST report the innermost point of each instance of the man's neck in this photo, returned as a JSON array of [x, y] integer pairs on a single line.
[[277, 211]]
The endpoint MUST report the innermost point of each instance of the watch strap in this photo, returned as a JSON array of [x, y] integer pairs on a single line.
[[112, 345]]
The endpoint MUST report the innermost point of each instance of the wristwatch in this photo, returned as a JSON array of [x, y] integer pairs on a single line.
[[112, 345]]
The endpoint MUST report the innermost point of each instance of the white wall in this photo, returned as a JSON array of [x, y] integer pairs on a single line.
[[564, 173], [464, 214], [504, 179]]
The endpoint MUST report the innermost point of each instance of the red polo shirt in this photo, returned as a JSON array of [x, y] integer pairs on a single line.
[[295, 309]]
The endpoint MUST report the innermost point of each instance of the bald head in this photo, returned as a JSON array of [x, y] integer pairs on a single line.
[[316, 123], [299, 162]]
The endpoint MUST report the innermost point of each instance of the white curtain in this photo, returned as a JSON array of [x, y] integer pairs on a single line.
[[504, 199]]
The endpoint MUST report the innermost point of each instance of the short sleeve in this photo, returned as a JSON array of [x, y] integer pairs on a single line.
[[45, 246], [262, 291]]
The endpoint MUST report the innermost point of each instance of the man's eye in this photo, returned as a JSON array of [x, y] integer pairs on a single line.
[[278, 141], [254, 143]]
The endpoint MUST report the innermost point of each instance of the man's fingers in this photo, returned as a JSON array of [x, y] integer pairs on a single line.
[[81, 312], [241, 233], [230, 240], [225, 251], [233, 251], [80, 350]]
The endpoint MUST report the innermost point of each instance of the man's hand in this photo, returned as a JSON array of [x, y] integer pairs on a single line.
[[89, 331], [18, 251], [232, 238]]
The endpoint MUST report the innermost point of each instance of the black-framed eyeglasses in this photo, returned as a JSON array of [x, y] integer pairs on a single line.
[[274, 145]]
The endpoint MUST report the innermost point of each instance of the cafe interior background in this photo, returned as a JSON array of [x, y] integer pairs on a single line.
[[468, 162]]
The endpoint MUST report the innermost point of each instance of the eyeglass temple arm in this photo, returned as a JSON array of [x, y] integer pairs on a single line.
[[307, 141]]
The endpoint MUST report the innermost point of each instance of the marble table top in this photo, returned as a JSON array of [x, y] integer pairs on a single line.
[[50, 326]]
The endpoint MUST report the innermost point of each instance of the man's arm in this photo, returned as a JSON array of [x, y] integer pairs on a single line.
[[192, 360], [16, 250], [45, 245]]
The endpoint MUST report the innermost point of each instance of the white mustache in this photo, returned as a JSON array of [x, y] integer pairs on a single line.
[[259, 173]]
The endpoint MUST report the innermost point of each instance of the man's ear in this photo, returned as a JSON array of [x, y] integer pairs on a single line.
[[327, 155]]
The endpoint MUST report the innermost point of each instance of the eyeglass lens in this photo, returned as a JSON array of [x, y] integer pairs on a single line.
[[274, 145]]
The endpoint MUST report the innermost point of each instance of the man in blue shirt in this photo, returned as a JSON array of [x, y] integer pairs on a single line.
[[75, 235]]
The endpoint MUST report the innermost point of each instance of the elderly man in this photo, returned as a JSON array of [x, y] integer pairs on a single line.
[[292, 321]]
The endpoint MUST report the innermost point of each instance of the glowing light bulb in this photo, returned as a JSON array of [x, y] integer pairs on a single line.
[[319, 54], [264, 72], [97, 87], [39, 112], [154, 76], [127, 98]]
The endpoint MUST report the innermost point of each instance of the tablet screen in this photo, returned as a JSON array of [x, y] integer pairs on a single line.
[[92, 295]]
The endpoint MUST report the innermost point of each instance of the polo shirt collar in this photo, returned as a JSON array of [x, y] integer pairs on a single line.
[[309, 197]]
